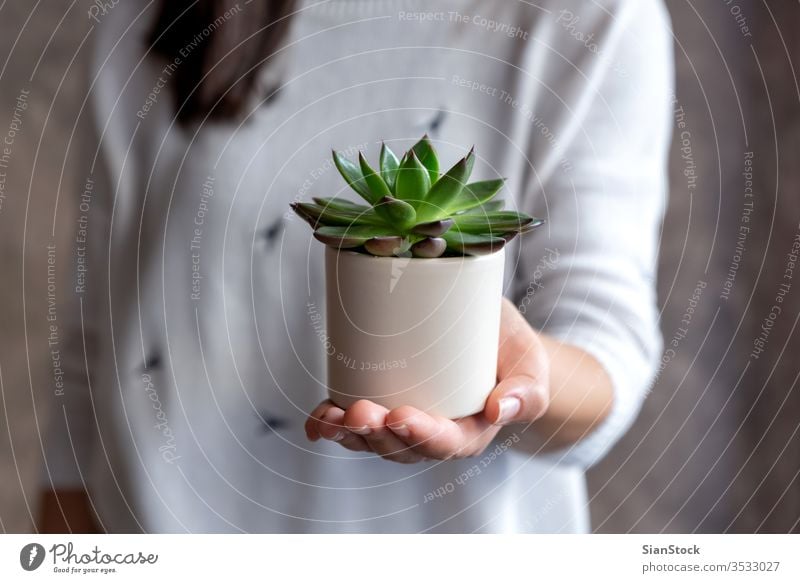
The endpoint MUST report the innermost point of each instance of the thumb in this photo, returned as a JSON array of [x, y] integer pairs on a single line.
[[517, 399]]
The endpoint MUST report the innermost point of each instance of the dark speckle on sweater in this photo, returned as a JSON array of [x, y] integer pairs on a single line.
[[436, 122], [272, 94], [271, 423], [270, 233], [152, 361]]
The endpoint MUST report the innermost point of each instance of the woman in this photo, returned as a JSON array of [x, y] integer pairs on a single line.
[[191, 400]]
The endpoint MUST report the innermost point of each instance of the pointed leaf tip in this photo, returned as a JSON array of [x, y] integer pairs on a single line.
[[413, 181], [374, 181], [389, 165], [446, 189], [426, 154], [353, 176]]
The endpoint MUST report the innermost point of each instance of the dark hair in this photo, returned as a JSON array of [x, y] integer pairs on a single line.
[[220, 45]]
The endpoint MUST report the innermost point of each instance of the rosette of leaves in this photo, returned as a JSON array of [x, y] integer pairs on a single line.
[[413, 210]]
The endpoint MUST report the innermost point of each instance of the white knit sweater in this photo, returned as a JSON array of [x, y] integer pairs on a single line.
[[195, 295]]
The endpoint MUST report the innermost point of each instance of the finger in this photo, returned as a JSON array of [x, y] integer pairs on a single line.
[[368, 420], [523, 368], [311, 425], [331, 427], [517, 399], [438, 437]]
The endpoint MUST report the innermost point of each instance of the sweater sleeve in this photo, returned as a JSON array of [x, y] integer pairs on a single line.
[[70, 431], [587, 277]]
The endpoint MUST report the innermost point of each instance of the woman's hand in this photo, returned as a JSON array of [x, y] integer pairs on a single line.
[[408, 435]]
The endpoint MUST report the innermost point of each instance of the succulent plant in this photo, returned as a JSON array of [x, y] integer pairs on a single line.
[[413, 210]]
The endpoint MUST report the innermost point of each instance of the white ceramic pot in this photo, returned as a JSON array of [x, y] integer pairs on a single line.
[[419, 332]]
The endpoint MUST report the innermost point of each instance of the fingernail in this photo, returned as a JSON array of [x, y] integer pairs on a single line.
[[363, 430], [400, 430], [509, 407], [338, 437]]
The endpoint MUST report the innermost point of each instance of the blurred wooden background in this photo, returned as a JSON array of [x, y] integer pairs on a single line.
[[716, 448]]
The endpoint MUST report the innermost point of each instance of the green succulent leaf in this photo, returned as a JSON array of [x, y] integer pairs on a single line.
[[447, 189], [412, 210], [429, 247], [511, 235], [353, 176], [346, 237], [413, 181], [374, 181], [427, 157], [397, 213], [476, 194], [487, 207], [341, 204], [469, 244], [386, 246], [537, 222], [389, 165], [316, 215], [433, 229], [493, 223]]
